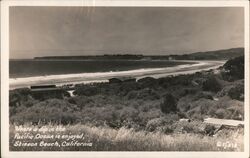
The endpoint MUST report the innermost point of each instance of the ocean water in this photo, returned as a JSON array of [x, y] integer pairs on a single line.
[[33, 68]]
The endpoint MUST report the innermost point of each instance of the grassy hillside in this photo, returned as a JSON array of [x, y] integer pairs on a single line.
[[123, 139]]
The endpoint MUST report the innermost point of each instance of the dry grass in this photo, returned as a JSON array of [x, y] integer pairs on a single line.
[[107, 139]]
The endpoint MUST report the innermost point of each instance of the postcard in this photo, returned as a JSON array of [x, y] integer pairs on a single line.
[[125, 78]]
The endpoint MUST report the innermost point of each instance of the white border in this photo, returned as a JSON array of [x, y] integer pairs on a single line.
[[141, 3]]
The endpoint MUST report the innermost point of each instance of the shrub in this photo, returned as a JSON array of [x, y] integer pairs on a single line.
[[204, 95], [72, 101], [30, 102], [128, 113], [169, 104], [86, 90], [14, 99], [237, 92], [132, 95], [80, 101], [198, 117], [234, 69], [43, 95], [211, 84], [165, 129], [127, 87], [209, 130], [236, 112], [161, 124], [190, 91], [189, 128], [18, 95], [145, 94], [221, 113], [148, 82], [53, 110]]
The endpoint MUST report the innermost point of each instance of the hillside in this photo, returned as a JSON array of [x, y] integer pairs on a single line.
[[209, 55], [218, 54]]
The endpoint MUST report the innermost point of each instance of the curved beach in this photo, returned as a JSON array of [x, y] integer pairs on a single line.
[[193, 67]]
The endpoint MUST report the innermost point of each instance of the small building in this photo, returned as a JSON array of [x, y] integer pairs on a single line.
[[47, 91], [42, 87]]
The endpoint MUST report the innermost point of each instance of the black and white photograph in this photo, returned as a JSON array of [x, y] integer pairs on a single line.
[[126, 78]]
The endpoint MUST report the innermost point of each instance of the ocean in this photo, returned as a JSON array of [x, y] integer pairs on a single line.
[[33, 68]]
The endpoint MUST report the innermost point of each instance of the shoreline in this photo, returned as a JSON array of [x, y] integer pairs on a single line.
[[104, 76]]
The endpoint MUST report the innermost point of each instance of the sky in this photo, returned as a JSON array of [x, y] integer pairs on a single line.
[[59, 31]]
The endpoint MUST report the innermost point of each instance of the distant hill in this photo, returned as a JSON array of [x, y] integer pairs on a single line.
[[213, 55], [209, 55]]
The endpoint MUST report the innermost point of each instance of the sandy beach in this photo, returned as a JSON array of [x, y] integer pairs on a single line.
[[104, 76]]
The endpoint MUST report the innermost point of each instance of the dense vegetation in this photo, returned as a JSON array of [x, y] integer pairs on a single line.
[[234, 69]]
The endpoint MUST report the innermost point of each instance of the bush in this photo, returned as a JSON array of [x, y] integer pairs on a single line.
[[209, 130], [80, 101], [145, 94], [169, 104], [17, 96], [127, 87], [86, 90], [189, 128], [211, 84], [43, 95], [153, 124], [162, 124], [128, 113], [234, 69], [237, 92], [221, 113], [148, 82], [53, 110]]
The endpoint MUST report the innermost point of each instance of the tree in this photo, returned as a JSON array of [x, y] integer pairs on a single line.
[[169, 104], [234, 69]]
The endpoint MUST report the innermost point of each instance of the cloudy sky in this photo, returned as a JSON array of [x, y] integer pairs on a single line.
[[44, 31]]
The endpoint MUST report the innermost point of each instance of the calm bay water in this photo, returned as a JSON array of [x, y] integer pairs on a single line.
[[30, 68]]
